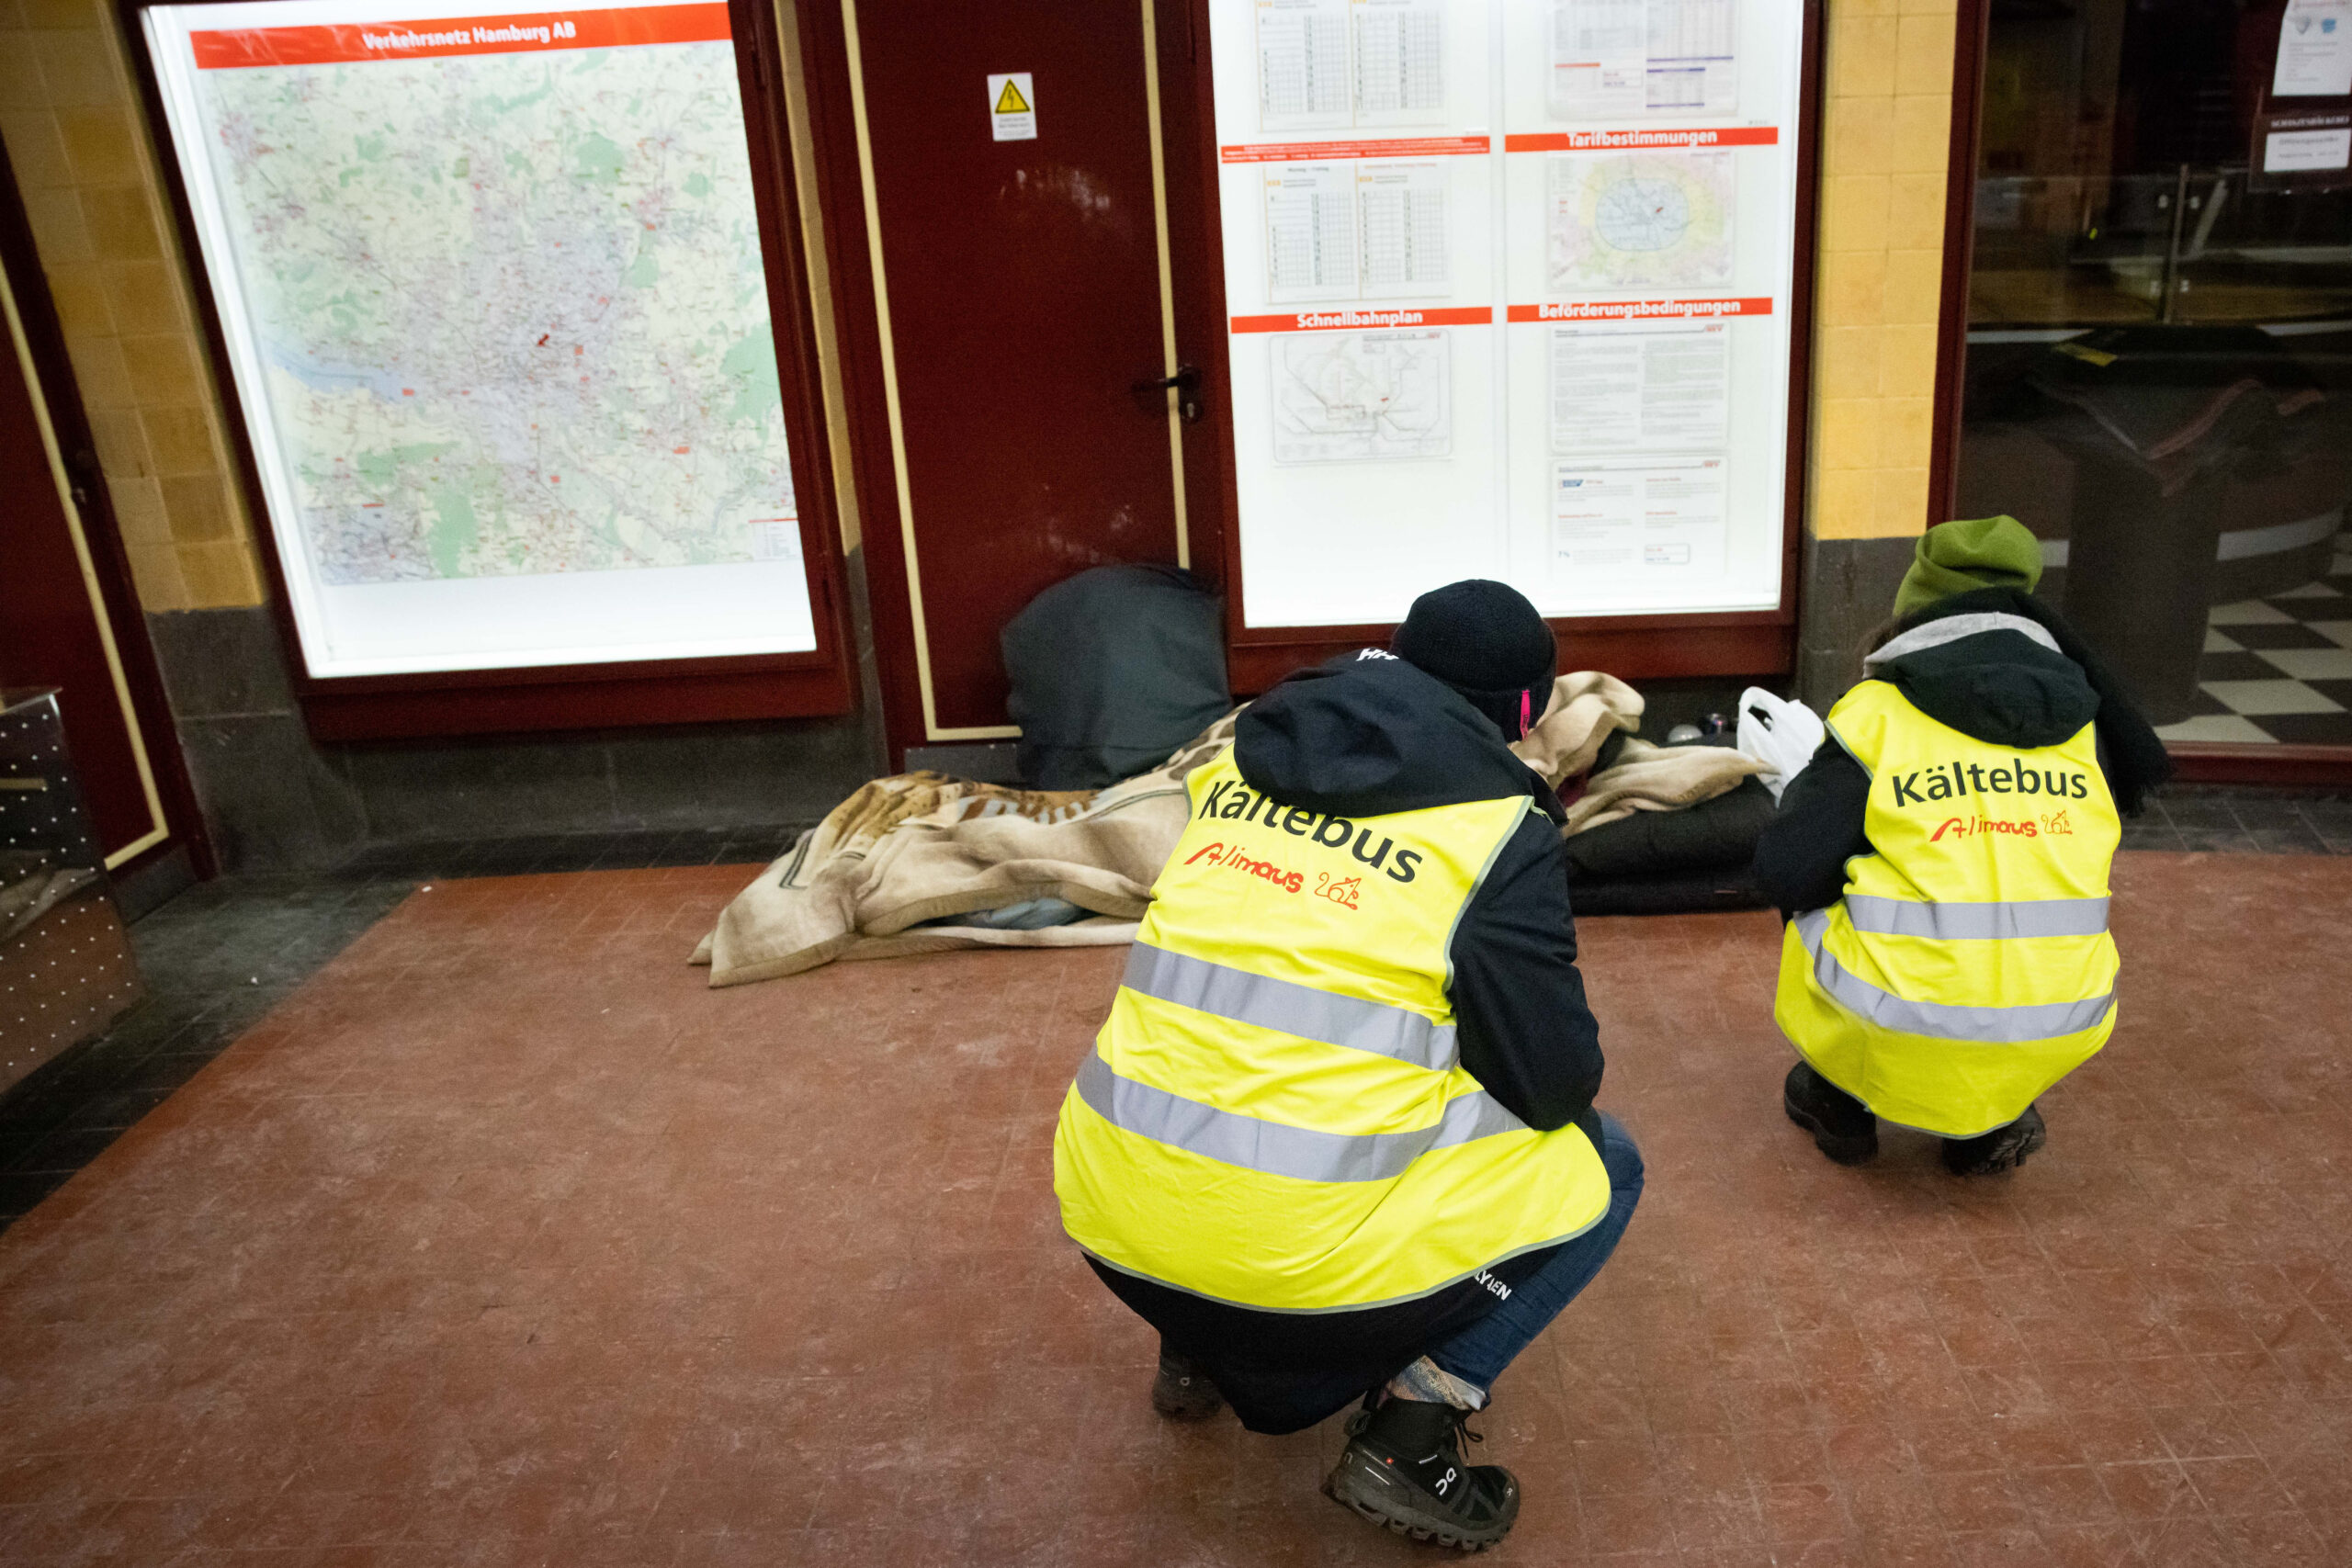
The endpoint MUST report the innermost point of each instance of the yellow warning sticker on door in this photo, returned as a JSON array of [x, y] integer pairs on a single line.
[[1013, 108]]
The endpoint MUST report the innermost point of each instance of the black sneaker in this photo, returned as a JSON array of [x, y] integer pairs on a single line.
[[1403, 1468], [2003, 1148], [1842, 1126], [1183, 1391]]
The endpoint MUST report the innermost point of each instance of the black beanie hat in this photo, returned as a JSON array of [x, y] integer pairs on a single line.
[[1484, 640]]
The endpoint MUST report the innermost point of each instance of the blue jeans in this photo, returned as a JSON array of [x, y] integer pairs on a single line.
[[1479, 1353]]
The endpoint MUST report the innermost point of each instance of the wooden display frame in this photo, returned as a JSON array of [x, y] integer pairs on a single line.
[[176, 825], [1971, 25], [621, 693], [1657, 646]]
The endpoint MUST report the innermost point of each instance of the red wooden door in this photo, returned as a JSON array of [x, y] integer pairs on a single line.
[[68, 618], [1003, 299]]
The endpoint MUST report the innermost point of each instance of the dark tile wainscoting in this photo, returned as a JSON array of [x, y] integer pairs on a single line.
[[277, 801]]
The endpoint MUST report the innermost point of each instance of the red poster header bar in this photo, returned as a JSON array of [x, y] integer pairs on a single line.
[[515, 33], [1640, 309], [1356, 319], [1615, 141], [1320, 151]]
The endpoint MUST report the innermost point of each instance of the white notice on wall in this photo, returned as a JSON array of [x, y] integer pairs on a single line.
[[1625, 386], [1581, 266], [2306, 151], [1650, 219], [1310, 233], [774, 538], [1638, 517], [2314, 52], [1400, 72], [1400, 229], [1349, 231], [1363, 397], [1325, 65], [1624, 59], [1013, 108], [1303, 64]]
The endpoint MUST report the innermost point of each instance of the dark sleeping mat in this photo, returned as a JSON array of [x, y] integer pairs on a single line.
[[1672, 863], [1685, 893]]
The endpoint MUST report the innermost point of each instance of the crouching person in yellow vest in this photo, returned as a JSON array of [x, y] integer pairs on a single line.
[[1943, 860], [1336, 1139]]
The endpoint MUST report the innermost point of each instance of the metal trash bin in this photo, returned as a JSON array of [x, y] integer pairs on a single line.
[[66, 970]]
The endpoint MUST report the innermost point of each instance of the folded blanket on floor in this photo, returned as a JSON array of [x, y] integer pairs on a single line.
[[911, 849], [886, 871], [1657, 778], [1587, 711]]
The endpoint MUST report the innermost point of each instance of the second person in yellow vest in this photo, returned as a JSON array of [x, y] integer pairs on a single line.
[[1943, 861]]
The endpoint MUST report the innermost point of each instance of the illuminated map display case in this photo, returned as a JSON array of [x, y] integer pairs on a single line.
[[1517, 289], [510, 307]]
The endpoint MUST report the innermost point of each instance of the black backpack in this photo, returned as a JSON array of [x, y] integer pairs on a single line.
[[1112, 671]]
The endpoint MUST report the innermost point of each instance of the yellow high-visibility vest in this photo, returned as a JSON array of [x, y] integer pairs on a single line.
[[1968, 966], [1274, 1114]]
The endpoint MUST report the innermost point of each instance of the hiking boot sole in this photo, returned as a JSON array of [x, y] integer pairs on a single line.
[[2033, 1142], [2010, 1159], [1844, 1149], [1365, 1489]]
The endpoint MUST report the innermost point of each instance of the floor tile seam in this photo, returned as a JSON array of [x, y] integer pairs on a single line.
[[2336, 1340], [1681, 1523], [2290, 1505]]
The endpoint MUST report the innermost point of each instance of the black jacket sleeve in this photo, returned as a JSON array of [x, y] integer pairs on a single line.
[[1519, 1007], [1801, 855]]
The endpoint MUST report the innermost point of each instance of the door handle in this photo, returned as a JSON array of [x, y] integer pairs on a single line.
[[1186, 383]]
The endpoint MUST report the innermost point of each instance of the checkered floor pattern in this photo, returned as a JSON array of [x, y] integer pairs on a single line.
[[2278, 669]]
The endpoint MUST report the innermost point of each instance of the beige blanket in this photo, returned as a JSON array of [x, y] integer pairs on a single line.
[[1585, 709], [919, 847], [923, 847]]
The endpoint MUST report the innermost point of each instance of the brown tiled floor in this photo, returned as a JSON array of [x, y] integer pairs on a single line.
[[503, 1241]]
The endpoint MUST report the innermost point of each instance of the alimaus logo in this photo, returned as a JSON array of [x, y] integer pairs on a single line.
[[1233, 801], [2055, 824], [1945, 780], [1233, 857]]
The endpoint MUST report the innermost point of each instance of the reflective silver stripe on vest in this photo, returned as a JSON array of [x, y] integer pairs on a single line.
[[1977, 922], [1289, 1008], [1941, 1020], [1270, 1147]]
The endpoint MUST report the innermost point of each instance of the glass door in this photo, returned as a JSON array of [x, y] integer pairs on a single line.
[[2159, 371]]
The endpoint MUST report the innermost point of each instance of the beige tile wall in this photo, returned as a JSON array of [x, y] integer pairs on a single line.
[[1885, 143], [72, 125]]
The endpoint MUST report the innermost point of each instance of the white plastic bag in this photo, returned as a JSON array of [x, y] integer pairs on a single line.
[[1780, 732]]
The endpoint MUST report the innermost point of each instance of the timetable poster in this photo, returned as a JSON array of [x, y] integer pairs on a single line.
[[492, 294], [1508, 287]]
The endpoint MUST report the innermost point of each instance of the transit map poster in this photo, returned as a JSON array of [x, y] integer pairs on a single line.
[[1509, 288], [495, 302]]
